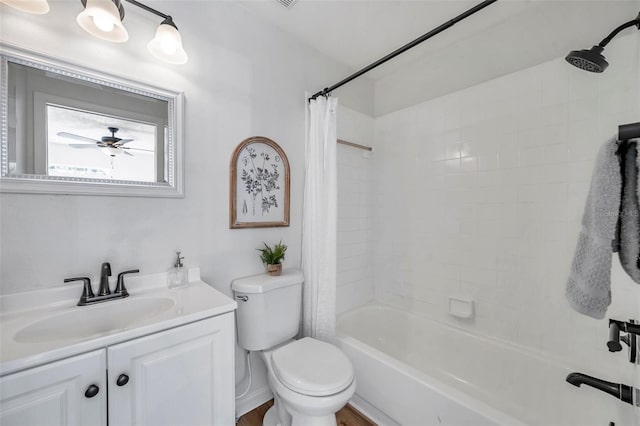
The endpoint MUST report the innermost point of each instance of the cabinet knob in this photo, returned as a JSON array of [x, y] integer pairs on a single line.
[[122, 380], [91, 391]]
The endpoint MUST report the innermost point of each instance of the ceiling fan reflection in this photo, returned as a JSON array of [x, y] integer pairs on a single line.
[[109, 145]]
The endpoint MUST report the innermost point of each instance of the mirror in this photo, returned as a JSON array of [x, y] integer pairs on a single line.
[[71, 130]]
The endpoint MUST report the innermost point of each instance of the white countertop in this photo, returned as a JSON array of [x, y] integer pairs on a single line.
[[17, 311]]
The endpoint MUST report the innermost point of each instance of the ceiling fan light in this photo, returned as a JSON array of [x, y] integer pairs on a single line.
[[37, 7], [167, 44], [111, 151], [103, 19]]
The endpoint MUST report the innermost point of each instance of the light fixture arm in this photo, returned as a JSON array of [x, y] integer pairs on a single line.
[[167, 18], [151, 10], [615, 32]]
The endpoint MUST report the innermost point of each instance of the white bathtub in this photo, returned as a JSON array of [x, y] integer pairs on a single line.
[[421, 372]]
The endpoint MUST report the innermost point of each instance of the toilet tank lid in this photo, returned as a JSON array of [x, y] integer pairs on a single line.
[[264, 282]]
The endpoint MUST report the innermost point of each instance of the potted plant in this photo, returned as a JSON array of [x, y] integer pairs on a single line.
[[273, 257]]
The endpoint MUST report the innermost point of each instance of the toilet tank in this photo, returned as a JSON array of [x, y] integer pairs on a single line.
[[269, 308]]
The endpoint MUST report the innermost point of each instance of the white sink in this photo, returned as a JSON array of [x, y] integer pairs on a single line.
[[84, 322], [45, 325]]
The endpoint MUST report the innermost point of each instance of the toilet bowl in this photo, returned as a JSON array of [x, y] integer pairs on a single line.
[[311, 380]]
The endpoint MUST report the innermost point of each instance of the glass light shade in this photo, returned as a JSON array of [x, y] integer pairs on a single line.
[[101, 18], [167, 45], [111, 152], [37, 7]]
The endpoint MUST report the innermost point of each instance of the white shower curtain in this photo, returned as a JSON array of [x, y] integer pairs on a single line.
[[319, 228]]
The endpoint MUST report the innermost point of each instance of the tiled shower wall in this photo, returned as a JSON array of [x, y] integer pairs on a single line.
[[480, 194], [354, 276]]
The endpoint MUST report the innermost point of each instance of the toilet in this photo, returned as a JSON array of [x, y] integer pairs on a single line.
[[311, 380]]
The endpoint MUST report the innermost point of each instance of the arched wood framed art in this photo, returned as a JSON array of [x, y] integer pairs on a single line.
[[259, 185]]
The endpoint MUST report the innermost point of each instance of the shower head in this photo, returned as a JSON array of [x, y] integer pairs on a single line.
[[592, 60], [588, 60]]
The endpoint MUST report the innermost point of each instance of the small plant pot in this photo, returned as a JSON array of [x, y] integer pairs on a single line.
[[275, 269]]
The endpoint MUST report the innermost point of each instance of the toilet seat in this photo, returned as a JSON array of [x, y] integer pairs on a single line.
[[311, 367]]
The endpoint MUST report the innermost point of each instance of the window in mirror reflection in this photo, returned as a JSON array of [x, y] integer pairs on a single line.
[[88, 144], [65, 127]]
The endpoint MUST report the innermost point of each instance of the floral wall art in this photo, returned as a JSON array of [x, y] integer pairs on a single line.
[[259, 187]]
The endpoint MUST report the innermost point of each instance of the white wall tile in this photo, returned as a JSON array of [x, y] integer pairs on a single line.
[[354, 277], [493, 208]]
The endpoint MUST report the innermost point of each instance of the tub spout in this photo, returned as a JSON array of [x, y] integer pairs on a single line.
[[618, 390]]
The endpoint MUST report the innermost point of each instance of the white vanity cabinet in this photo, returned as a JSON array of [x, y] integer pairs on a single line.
[[183, 376], [180, 376], [54, 393]]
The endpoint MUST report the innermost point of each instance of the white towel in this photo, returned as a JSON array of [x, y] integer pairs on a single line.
[[589, 286]]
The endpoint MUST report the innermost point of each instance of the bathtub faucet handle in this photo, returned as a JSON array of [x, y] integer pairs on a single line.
[[631, 339], [614, 336], [615, 327]]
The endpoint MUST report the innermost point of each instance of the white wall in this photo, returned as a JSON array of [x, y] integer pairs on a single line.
[[354, 273], [480, 193], [513, 43], [244, 78]]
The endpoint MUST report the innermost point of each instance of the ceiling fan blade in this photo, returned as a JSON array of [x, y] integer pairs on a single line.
[[77, 137], [136, 149], [81, 145], [128, 153], [123, 141]]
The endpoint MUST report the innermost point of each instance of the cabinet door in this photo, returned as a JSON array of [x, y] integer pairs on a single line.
[[182, 376], [54, 394]]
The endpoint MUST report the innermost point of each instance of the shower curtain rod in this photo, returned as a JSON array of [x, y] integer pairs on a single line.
[[327, 90]]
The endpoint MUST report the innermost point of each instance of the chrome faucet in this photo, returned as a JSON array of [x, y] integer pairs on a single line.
[[104, 293], [618, 390]]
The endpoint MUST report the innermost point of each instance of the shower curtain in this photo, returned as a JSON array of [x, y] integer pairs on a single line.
[[319, 229]]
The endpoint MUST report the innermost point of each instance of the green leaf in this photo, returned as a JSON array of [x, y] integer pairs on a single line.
[[272, 256]]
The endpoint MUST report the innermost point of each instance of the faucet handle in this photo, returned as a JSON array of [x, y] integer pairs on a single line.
[[87, 291], [615, 328], [614, 336], [120, 288]]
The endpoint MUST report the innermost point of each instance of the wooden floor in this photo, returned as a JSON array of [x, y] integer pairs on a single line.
[[348, 416]]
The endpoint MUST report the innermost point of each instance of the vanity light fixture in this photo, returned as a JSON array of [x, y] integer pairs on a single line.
[[103, 19], [37, 7], [167, 44]]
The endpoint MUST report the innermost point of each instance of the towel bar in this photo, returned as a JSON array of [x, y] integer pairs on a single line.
[[628, 131]]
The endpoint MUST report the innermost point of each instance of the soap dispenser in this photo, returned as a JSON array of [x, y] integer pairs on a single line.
[[177, 277]]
